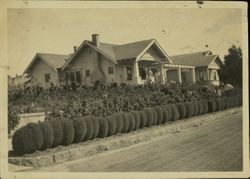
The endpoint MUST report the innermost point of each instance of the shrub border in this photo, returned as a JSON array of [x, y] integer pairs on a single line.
[[114, 142]]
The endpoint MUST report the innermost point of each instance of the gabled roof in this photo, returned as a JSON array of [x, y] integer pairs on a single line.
[[53, 60], [115, 52], [197, 59]]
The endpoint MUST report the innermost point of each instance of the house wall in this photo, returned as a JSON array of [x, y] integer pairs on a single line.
[[151, 54], [90, 59], [38, 71]]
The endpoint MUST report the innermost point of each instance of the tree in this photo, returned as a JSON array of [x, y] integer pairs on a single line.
[[231, 72]]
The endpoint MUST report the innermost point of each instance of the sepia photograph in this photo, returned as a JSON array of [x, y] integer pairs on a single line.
[[127, 87]]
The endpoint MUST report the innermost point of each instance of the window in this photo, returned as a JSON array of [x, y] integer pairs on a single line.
[[129, 73], [87, 73], [78, 76], [110, 70], [47, 77], [72, 76], [142, 73]]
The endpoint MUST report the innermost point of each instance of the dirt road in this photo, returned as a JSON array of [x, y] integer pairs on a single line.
[[216, 146]]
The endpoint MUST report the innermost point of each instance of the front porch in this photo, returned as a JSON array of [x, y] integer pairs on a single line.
[[180, 73], [151, 71]]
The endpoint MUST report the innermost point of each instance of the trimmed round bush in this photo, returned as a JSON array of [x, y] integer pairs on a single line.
[[189, 109], [219, 104], [80, 128], [150, 116], [205, 103], [57, 131], [196, 108], [175, 112], [154, 116], [143, 119], [159, 115], [165, 114], [68, 131], [170, 113], [201, 108], [125, 120], [48, 135], [182, 110], [96, 127], [27, 139], [137, 119], [131, 118], [112, 125], [103, 130], [90, 128], [211, 106], [119, 122]]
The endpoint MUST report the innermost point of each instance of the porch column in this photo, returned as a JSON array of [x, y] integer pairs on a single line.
[[179, 74], [193, 75], [162, 74], [135, 72], [208, 75]]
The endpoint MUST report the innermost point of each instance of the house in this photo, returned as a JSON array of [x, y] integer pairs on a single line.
[[45, 68], [133, 63], [18, 80], [206, 66]]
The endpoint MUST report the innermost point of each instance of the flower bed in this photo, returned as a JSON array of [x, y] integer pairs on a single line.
[[61, 130]]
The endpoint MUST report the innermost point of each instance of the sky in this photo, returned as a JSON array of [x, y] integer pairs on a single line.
[[177, 30]]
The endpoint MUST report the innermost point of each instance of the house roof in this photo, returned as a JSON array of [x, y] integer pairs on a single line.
[[197, 59], [116, 52], [53, 60]]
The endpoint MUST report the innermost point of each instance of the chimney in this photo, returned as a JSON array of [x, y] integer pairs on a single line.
[[75, 48], [95, 39]]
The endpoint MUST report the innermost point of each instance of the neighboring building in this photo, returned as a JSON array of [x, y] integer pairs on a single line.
[[206, 66], [46, 68], [18, 80], [133, 63]]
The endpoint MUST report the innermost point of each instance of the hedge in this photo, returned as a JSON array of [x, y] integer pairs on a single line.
[[68, 131], [143, 119], [103, 131], [96, 127], [150, 116], [90, 128], [159, 115], [48, 135], [112, 125], [189, 109], [211, 106], [196, 108], [131, 122], [165, 114], [57, 131], [80, 128], [65, 131], [119, 122], [182, 110], [27, 139], [175, 112], [125, 120], [137, 119]]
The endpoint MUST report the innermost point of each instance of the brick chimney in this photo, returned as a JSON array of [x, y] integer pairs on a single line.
[[96, 40], [75, 48]]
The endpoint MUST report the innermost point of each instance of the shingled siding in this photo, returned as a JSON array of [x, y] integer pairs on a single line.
[[39, 70]]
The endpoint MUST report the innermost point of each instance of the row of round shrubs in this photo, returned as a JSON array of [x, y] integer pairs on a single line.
[[54, 132]]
